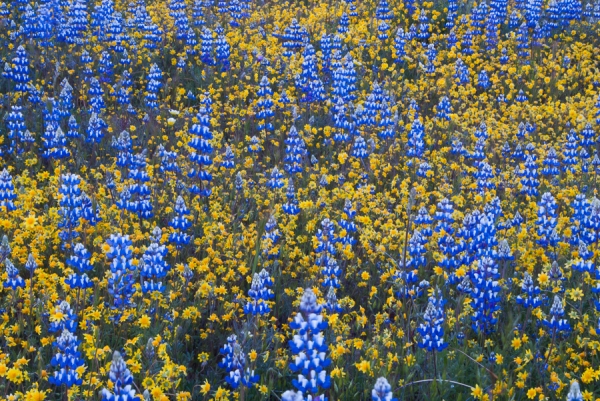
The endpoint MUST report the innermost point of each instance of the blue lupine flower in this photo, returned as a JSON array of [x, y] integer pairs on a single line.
[[506, 150], [386, 122], [423, 26], [555, 321], [207, 47], [168, 161], [309, 82], [95, 93], [223, 51], [491, 33], [523, 44], [458, 148], [547, 220], [484, 176], [383, 11], [202, 149], [592, 222], [326, 48], [191, 42], [271, 238], [284, 99], [423, 169], [294, 37], [485, 295], [139, 193], [31, 265], [254, 146], [331, 304], [198, 13], [291, 206], [529, 297], [359, 149], [484, 239], [348, 225], [124, 96], [444, 109], [259, 293], [555, 276], [581, 209], [399, 46], [382, 391], [20, 71], [467, 43], [295, 150], [310, 359], [13, 280], [340, 120], [4, 11], [478, 17], [264, 105], [344, 79], [416, 144], [553, 14], [153, 86], [584, 263], [275, 181], [410, 287], [504, 253], [153, 35], [521, 97], [5, 249], [416, 250], [180, 224], [95, 130], [56, 149], [483, 81], [234, 363], [73, 131], [494, 209], [551, 163], [70, 207], [15, 123], [596, 164], [7, 191], [105, 66], [451, 260], [120, 284], [343, 24], [326, 255], [588, 135], [579, 231], [443, 215], [67, 360], [124, 147], [122, 381], [80, 261], [67, 321], [432, 330], [529, 174], [570, 152], [239, 182], [153, 266], [325, 242], [574, 392]]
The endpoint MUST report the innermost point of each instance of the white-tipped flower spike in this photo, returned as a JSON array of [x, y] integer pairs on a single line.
[[292, 396], [382, 391], [308, 303], [574, 392]]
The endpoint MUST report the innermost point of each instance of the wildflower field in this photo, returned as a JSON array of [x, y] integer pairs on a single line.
[[299, 200]]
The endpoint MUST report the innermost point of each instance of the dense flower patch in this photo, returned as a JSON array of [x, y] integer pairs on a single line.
[[304, 200]]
